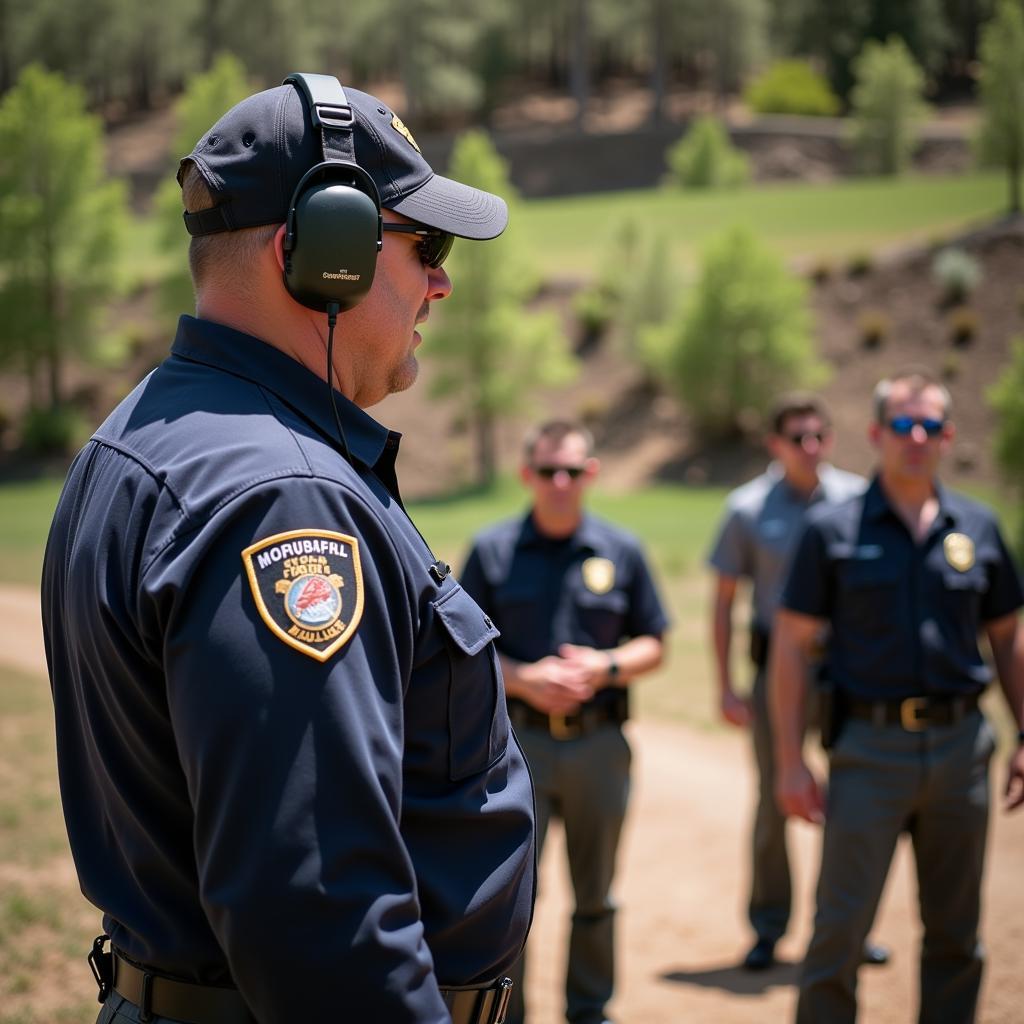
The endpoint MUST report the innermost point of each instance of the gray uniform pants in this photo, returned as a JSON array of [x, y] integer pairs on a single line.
[[585, 782], [884, 780], [770, 883]]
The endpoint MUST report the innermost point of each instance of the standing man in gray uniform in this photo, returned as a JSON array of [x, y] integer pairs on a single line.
[[906, 575], [763, 519]]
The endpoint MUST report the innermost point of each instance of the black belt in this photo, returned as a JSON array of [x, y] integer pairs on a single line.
[[159, 996], [588, 719], [914, 713]]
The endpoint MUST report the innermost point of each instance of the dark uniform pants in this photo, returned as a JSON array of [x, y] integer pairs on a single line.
[[585, 782], [770, 882], [118, 1010], [884, 780]]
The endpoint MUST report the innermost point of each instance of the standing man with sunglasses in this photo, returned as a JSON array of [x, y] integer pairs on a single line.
[[580, 620], [285, 759], [906, 576], [755, 540]]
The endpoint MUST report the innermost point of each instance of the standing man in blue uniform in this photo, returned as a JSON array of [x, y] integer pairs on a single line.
[[285, 761], [906, 575], [762, 522], [580, 620]]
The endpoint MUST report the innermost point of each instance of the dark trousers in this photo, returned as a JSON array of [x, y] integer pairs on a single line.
[[117, 1010], [585, 782], [770, 882], [933, 784]]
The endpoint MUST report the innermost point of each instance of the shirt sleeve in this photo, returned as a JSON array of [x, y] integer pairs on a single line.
[[731, 553], [1004, 594], [474, 580], [806, 588], [294, 768], [647, 616]]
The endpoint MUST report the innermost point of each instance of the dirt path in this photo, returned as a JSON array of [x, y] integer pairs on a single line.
[[682, 882]]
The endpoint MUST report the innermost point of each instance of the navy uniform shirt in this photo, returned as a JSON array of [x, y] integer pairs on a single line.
[[905, 616], [760, 528], [284, 753], [592, 588]]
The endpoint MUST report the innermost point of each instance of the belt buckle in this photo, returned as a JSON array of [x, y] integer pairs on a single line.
[[561, 728], [913, 713], [504, 997]]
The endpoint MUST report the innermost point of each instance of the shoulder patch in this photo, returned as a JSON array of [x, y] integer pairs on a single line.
[[308, 588]]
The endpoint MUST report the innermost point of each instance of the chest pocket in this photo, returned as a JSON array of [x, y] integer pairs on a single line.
[[602, 616], [870, 591], [477, 717]]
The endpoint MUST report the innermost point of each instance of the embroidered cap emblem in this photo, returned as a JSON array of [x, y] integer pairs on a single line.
[[399, 125], [959, 551], [308, 588], [598, 575]]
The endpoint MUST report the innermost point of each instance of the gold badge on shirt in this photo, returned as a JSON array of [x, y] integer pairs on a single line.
[[598, 575], [959, 551]]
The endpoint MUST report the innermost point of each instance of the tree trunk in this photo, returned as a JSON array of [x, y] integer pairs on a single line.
[[579, 70], [1014, 170], [485, 448], [659, 69]]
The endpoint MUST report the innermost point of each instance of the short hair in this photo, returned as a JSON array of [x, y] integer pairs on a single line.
[[797, 403], [210, 254], [918, 379], [554, 432]]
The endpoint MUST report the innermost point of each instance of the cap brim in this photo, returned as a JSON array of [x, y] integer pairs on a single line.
[[451, 206]]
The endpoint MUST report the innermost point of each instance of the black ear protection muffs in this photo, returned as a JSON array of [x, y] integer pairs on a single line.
[[333, 230]]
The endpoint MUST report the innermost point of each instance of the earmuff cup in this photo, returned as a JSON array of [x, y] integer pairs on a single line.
[[334, 234]]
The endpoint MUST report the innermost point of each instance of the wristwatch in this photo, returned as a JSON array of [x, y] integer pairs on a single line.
[[613, 668]]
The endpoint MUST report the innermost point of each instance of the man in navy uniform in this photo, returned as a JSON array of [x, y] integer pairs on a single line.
[[763, 519], [906, 575], [580, 620], [286, 765]]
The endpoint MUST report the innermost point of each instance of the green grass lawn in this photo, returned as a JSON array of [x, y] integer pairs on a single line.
[[569, 237]]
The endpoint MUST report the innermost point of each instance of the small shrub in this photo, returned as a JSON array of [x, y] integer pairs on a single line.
[[950, 368], [705, 158], [886, 106], [957, 273], [821, 271], [873, 327], [792, 87], [52, 431], [859, 264], [595, 310], [963, 326]]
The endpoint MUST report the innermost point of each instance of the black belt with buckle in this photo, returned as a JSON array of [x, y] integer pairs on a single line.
[[914, 713], [159, 996], [588, 719]]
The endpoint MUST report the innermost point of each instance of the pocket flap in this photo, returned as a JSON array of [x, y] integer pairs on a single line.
[[465, 621]]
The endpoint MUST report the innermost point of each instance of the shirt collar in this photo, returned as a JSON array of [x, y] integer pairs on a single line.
[[876, 504], [212, 344], [585, 537]]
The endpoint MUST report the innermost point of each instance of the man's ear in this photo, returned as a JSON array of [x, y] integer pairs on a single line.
[[592, 467], [279, 247], [875, 433]]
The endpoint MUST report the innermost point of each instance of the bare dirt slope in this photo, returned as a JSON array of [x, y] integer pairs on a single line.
[[682, 881]]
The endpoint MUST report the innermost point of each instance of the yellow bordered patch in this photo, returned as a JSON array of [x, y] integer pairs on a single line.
[[308, 587]]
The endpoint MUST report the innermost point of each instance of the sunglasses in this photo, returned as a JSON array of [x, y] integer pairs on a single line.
[[434, 244], [903, 426], [550, 472], [806, 435]]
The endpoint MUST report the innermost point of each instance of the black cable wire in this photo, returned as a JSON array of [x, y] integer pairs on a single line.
[[333, 308]]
